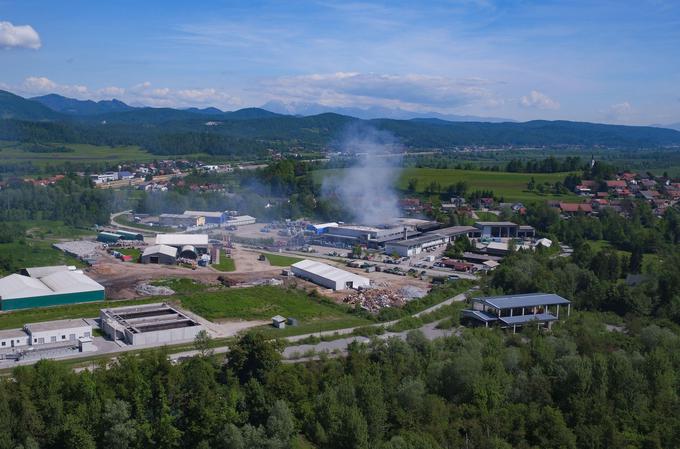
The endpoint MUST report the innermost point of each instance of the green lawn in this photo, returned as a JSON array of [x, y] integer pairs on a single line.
[[260, 303], [279, 260], [510, 186], [134, 252], [226, 263], [18, 318], [35, 253]]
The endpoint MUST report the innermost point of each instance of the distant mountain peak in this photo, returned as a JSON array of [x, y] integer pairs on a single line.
[[373, 112], [72, 106]]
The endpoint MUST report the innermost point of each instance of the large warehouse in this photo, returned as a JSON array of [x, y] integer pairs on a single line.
[[148, 324], [180, 220], [190, 246], [411, 247], [209, 217], [58, 287], [160, 254], [328, 276]]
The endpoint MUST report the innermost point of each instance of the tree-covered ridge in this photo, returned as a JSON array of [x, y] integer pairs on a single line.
[[580, 387]]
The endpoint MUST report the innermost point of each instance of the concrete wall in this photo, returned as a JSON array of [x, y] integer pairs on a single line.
[[163, 336]]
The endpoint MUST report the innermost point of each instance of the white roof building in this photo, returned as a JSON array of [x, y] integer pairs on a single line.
[[170, 251], [18, 286], [179, 240], [328, 276], [198, 213], [70, 282]]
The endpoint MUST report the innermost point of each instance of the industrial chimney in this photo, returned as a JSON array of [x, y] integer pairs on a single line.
[[405, 233]]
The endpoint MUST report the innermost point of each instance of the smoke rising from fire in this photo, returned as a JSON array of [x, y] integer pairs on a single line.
[[367, 189]]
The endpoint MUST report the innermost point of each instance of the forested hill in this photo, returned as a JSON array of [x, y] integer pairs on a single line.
[[175, 131]]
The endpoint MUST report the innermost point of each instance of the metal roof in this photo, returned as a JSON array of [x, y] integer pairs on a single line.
[[327, 271], [160, 249], [38, 272], [456, 230], [199, 213], [420, 240], [12, 333], [182, 239], [495, 223], [18, 286], [525, 300], [479, 315], [70, 282]]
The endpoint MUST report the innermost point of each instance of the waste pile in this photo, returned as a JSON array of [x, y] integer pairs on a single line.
[[410, 292], [374, 299], [154, 290]]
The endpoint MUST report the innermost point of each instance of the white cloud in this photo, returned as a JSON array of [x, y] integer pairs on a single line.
[[539, 100], [621, 109], [411, 92], [142, 94], [18, 36], [43, 85]]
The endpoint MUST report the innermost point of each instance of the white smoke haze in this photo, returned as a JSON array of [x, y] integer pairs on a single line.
[[367, 189]]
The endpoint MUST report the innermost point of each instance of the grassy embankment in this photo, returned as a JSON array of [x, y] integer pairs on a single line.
[[279, 260]]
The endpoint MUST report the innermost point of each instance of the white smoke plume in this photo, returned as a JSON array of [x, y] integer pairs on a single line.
[[367, 189]]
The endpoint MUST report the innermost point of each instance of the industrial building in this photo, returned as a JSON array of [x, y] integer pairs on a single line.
[[58, 331], [328, 276], [369, 236], [180, 220], [321, 228], [514, 311], [190, 246], [127, 235], [504, 229], [108, 237], [48, 288], [147, 324], [414, 246], [49, 333], [240, 220], [160, 254], [216, 218]]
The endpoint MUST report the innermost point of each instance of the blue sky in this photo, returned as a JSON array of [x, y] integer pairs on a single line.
[[605, 61]]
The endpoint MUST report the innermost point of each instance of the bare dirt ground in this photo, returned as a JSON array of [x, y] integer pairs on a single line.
[[120, 278], [246, 261]]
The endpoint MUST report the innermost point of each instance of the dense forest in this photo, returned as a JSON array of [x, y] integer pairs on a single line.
[[581, 386]]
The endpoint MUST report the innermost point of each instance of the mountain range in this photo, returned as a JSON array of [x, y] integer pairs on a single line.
[[179, 131]]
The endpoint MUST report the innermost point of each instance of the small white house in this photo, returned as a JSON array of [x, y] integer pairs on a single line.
[[13, 338], [279, 322]]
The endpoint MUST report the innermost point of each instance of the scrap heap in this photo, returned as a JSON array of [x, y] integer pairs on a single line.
[[374, 299]]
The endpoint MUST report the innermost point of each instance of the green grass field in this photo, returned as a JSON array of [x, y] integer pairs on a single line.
[[35, 253], [279, 260], [509, 186], [18, 318], [226, 263], [260, 303], [13, 152]]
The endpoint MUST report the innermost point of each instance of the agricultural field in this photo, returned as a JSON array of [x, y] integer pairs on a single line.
[[506, 185], [13, 152], [510, 186]]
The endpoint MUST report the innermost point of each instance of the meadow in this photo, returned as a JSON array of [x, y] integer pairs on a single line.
[[508, 186], [226, 263]]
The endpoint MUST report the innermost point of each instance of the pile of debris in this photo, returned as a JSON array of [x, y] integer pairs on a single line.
[[374, 299], [410, 292], [153, 290]]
